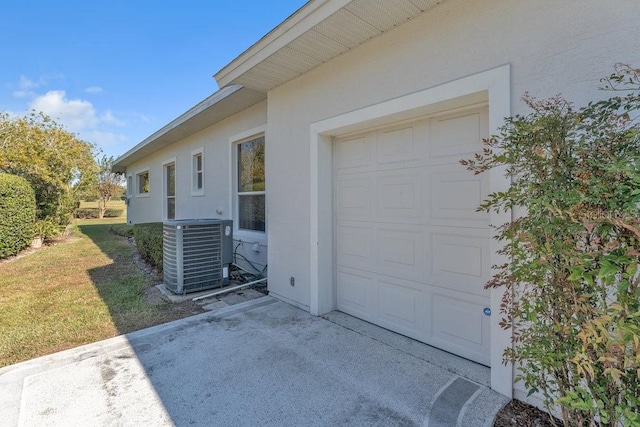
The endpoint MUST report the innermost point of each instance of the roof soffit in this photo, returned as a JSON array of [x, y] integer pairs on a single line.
[[318, 32]]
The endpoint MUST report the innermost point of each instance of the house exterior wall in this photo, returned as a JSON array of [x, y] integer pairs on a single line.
[[216, 143], [547, 53]]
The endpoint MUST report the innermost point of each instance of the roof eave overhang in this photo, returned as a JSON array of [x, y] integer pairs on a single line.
[[217, 107], [309, 15], [318, 32]]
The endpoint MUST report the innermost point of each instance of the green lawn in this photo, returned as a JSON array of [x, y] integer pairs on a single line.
[[78, 291]]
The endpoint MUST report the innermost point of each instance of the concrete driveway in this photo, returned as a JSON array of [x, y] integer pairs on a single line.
[[258, 363]]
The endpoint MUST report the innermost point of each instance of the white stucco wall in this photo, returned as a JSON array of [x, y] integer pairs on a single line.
[[216, 142], [551, 47]]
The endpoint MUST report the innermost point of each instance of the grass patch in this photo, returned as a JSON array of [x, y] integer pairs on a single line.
[[79, 291]]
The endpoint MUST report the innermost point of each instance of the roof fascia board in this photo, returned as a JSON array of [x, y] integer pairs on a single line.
[[307, 17], [189, 114]]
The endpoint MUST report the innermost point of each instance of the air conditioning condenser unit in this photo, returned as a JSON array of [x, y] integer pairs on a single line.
[[196, 254]]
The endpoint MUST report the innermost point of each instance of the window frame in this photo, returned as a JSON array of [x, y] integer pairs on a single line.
[[241, 233], [138, 174], [195, 191], [165, 189]]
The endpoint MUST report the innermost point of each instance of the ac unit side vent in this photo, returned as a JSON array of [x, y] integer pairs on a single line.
[[196, 254]]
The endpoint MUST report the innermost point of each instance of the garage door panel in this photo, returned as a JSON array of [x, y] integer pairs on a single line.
[[455, 196], [354, 194], [396, 145], [459, 325], [354, 153], [458, 134], [402, 307], [401, 254], [400, 195], [355, 246], [460, 262], [356, 294]]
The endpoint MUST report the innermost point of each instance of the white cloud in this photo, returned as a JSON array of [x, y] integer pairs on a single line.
[[75, 114], [80, 117], [94, 89], [99, 126]]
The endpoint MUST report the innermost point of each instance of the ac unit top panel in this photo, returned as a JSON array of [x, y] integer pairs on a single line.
[[197, 221]]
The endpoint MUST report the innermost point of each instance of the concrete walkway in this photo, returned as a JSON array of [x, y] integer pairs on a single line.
[[257, 363]]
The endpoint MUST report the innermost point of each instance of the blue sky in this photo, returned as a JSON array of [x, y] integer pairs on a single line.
[[114, 72]]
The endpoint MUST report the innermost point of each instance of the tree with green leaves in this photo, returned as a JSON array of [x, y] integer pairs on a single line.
[[108, 184], [58, 165], [571, 280]]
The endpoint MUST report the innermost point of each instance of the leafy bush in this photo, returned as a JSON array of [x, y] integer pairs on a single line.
[[18, 210], [149, 242], [47, 229], [572, 295]]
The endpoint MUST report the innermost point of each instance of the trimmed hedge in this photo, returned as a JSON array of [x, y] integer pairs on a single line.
[[92, 213], [149, 242], [18, 211]]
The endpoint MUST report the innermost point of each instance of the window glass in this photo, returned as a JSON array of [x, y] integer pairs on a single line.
[[251, 212], [170, 176], [143, 182], [251, 185], [197, 172], [251, 165]]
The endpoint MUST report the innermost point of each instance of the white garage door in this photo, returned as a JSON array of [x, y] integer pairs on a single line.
[[412, 253]]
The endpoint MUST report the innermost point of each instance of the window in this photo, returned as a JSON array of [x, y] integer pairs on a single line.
[[170, 189], [251, 185], [142, 179], [197, 178], [129, 185]]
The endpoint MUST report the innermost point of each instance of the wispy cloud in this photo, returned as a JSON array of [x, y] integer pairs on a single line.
[[94, 89], [104, 139], [26, 86], [110, 119]]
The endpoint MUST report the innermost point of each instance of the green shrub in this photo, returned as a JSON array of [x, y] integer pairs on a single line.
[[93, 213], [149, 242], [47, 228], [18, 210], [123, 230], [571, 275], [113, 213]]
